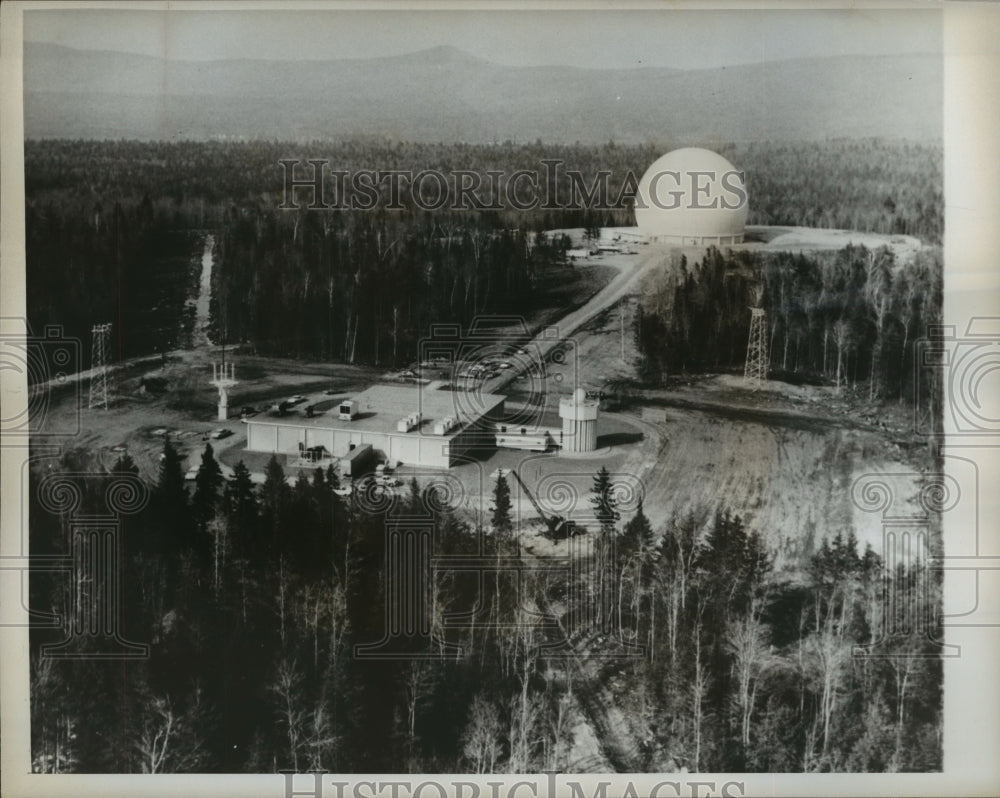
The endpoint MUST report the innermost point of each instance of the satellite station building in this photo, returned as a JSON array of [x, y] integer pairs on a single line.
[[426, 425], [691, 197]]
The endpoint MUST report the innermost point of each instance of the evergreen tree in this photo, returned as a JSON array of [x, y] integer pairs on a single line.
[[604, 502], [338, 520], [125, 465], [637, 535], [274, 495], [207, 483], [147, 540], [500, 519], [305, 547], [734, 563], [332, 479], [170, 501], [607, 561], [241, 503], [415, 502], [635, 560]]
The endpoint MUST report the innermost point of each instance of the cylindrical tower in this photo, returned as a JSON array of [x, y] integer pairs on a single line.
[[579, 422]]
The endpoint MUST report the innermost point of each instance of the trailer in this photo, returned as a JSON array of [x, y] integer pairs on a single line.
[[356, 461]]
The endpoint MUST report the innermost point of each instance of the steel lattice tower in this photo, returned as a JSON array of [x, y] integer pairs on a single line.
[[755, 371], [100, 396]]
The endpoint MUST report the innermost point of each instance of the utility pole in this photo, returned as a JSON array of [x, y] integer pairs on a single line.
[[621, 324]]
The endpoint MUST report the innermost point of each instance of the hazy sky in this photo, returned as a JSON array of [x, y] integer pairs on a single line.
[[682, 39]]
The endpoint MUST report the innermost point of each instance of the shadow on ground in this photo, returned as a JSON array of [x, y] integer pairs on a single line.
[[619, 439]]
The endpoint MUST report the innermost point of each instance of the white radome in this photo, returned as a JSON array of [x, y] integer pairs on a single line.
[[692, 197]]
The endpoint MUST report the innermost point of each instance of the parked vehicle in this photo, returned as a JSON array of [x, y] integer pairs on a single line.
[[279, 409]]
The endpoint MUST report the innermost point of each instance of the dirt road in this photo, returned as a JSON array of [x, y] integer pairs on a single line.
[[632, 269]]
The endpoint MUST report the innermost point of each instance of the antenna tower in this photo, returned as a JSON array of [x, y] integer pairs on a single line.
[[100, 395], [755, 371], [223, 378]]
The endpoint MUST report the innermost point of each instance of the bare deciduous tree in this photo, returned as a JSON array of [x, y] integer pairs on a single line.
[[290, 708], [481, 740], [748, 642], [417, 681], [168, 741]]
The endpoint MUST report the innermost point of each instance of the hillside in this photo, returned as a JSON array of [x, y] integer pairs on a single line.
[[444, 94]]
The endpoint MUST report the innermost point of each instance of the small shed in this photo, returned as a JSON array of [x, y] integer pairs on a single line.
[[356, 461]]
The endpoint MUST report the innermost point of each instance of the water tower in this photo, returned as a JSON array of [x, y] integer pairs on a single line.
[[579, 422]]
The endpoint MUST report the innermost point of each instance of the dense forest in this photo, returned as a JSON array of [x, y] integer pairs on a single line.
[[844, 317], [112, 229], [253, 598]]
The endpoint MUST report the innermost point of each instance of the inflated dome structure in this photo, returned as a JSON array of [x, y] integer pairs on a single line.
[[691, 197]]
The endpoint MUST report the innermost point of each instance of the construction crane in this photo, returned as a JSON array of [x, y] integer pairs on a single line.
[[557, 526]]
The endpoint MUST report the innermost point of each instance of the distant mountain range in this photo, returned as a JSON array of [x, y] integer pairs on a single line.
[[445, 94]]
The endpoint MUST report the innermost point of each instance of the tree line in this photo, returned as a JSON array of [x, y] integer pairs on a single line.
[[749, 670], [252, 599], [847, 317], [367, 288], [112, 228]]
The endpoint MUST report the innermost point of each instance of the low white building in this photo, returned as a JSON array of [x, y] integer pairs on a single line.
[[530, 439], [414, 425]]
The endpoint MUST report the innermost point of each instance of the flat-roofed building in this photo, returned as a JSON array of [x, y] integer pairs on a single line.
[[429, 425]]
